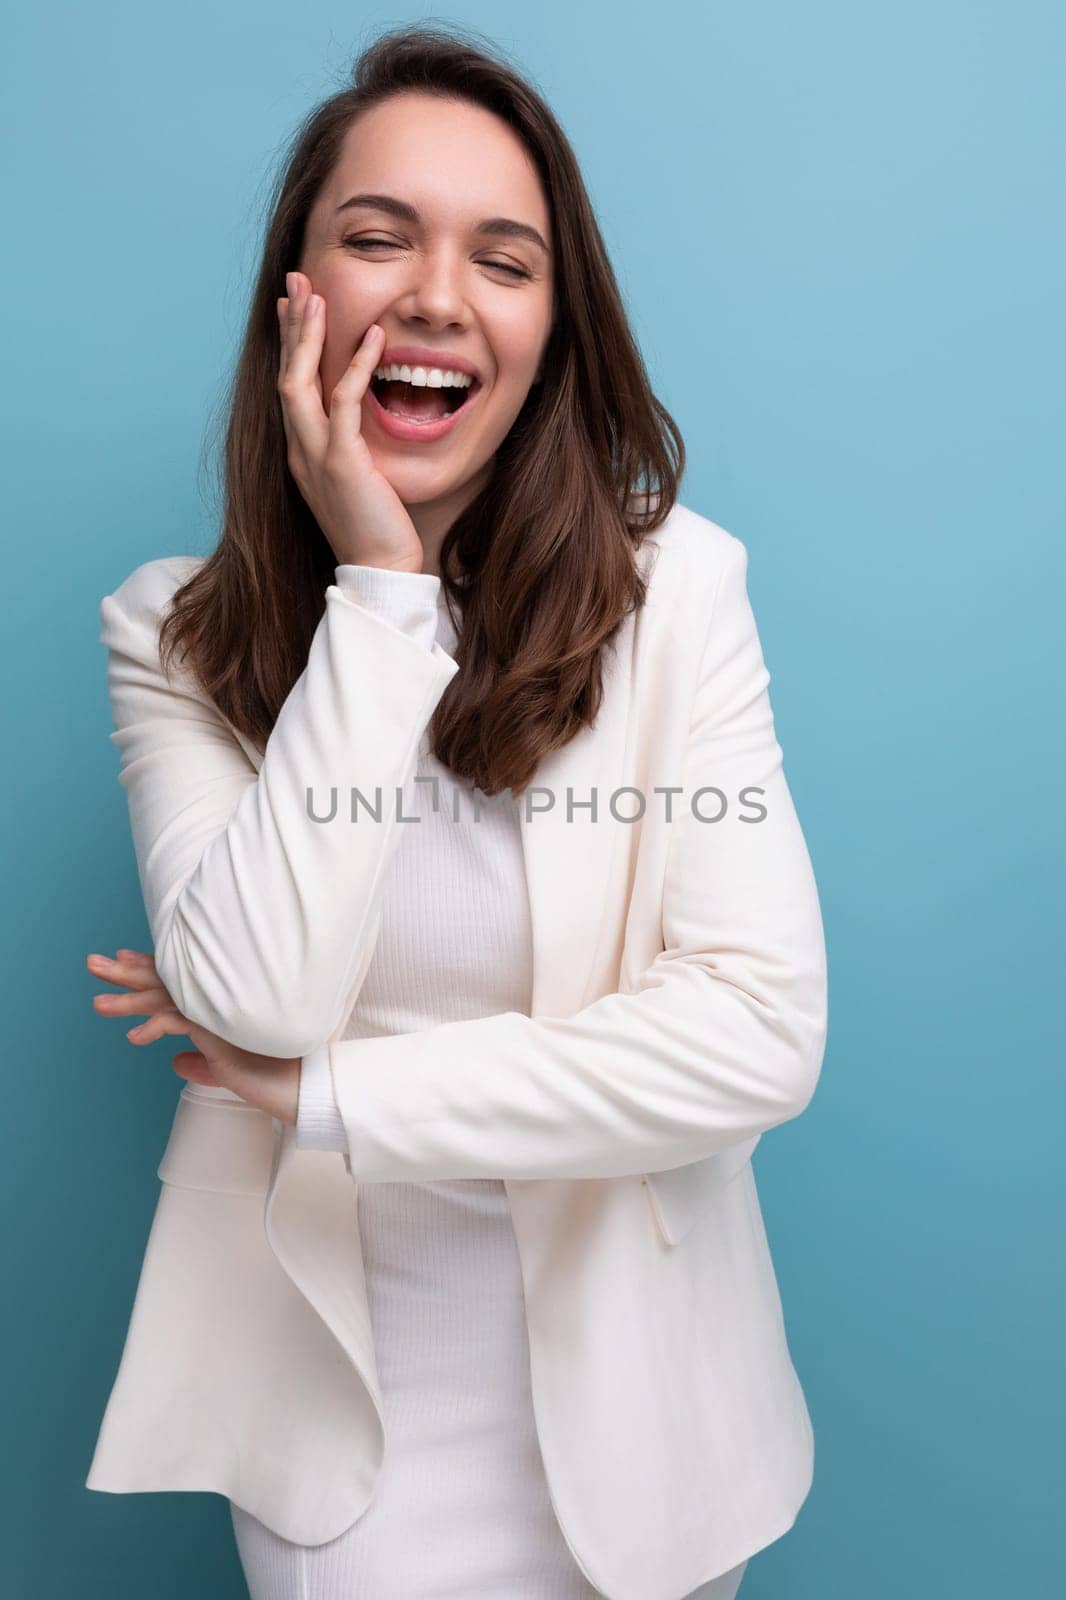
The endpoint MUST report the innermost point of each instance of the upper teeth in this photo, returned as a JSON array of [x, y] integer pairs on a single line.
[[426, 377]]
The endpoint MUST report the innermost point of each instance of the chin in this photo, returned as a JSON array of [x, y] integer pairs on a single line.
[[417, 483]]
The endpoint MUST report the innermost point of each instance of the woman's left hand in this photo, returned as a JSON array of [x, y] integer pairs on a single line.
[[271, 1083]]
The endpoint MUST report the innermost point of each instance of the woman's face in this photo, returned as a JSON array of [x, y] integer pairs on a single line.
[[438, 170]]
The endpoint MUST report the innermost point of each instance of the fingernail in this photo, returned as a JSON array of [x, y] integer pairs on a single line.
[[101, 961], [370, 333], [290, 285]]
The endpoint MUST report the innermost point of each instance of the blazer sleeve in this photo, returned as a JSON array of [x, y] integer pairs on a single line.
[[723, 1035], [399, 598], [260, 914]]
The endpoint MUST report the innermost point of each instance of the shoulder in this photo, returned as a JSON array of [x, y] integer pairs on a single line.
[[687, 557], [150, 587], [131, 616]]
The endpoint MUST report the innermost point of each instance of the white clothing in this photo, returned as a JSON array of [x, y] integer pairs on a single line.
[[462, 1507]]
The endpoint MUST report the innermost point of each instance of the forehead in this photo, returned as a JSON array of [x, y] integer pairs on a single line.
[[448, 158]]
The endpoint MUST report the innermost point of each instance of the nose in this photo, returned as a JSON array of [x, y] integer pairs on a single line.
[[436, 294]]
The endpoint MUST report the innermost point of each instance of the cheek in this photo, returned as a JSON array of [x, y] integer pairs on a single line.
[[519, 343], [518, 360], [347, 316], [347, 310]]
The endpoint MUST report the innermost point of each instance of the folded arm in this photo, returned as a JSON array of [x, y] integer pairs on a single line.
[[723, 1036]]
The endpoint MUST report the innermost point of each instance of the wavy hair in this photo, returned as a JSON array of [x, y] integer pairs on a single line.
[[547, 550]]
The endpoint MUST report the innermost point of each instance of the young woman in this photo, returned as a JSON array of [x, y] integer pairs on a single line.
[[474, 878]]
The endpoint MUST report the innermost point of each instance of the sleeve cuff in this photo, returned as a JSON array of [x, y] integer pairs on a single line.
[[319, 1124], [406, 599]]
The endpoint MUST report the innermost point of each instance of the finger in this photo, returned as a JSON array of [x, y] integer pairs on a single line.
[[140, 958], [136, 969], [297, 293], [299, 390], [135, 1003], [130, 968], [281, 306], [345, 408], [192, 1065], [139, 968], [161, 1023], [285, 310], [290, 309]]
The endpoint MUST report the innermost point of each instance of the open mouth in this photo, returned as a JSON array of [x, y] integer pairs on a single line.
[[421, 402]]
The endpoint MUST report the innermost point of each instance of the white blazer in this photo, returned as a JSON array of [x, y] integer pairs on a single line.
[[679, 1011]]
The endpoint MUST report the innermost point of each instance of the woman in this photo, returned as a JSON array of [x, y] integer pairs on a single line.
[[458, 1283]]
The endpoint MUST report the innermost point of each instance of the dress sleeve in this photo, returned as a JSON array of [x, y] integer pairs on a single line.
[[402, 598], [723, 1035], [261, 897], [319, 1124]]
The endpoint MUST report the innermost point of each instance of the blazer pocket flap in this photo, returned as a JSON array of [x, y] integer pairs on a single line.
[[219, 1145], [678, 1195]]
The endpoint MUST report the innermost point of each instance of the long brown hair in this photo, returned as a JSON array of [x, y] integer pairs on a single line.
[[547, 550]]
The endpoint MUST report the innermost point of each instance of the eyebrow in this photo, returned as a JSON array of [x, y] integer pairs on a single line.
[[505, 226]]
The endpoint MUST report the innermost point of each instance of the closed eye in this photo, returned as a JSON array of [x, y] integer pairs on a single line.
[[357, 243]]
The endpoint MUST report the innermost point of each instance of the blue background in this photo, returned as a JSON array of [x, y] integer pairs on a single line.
[[839, 231]]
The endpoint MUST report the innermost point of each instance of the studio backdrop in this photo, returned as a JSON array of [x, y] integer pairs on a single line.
[[838, 231]]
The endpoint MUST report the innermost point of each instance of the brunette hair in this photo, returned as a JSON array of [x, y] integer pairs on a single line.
[[547, 550]]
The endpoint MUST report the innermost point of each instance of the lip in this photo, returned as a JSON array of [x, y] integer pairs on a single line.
[[422, 432], [419, 355]]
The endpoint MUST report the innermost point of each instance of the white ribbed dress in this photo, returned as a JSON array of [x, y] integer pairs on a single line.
[[461, 1509]]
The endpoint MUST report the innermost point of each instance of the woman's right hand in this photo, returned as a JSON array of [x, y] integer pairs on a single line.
[[354, 504]]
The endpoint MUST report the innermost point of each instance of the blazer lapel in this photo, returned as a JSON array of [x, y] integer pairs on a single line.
[[571, 866], [569, 862]]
